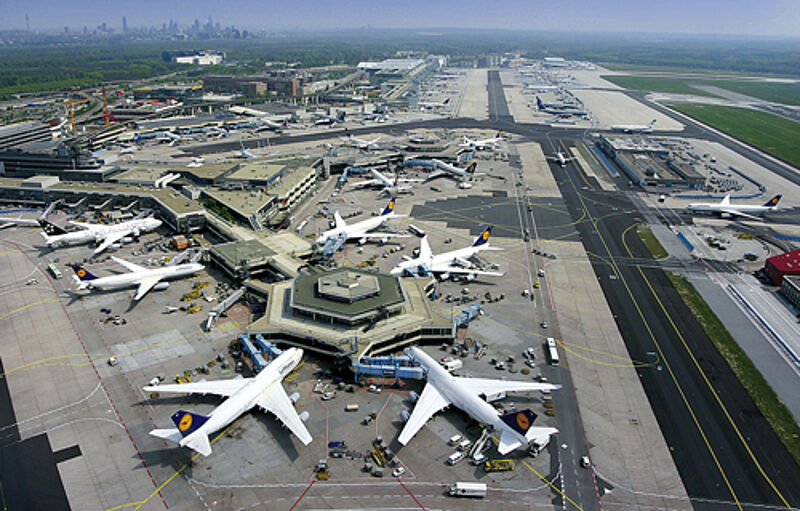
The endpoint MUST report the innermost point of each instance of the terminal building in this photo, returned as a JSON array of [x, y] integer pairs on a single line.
[[779, 266], [649, 161], [23, 133], [348, 314]]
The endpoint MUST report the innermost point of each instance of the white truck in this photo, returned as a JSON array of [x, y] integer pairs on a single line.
[[468, 490], [452, 365]]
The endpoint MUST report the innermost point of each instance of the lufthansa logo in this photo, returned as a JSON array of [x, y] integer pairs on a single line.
[[485, 235], [391, 205], [81, 273], [185, 423], [522, 421]]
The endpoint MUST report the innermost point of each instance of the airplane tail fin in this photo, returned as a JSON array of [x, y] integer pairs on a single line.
[[446, 101], [341, 116], [471, 168], [188, 422], [82, 273], [347, 133], [483, 238], [389, 207], [499, 134], [773, 202], [652, 123], [520, 421], [539, 103], [50, 228]]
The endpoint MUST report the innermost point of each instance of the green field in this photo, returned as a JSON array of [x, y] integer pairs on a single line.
[[653, 84], [771, 407], [651, 242], [773, 134], [786, 93]]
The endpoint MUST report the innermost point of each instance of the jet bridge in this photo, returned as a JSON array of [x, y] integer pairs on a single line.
[[259, 362], [389, 367]]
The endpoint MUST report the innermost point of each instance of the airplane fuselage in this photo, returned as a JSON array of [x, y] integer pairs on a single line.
[[355, 230], [98, 232], [431, 262], [704, 207], [125, 280], [246, 397]]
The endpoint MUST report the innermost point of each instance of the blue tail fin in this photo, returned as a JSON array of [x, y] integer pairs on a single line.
[[499, 134], [50, 228], [83, 273], [188, 422], [520, 421], [773, 201], [389, 207], [347, 133], [341, 115], [483, 238], [539, 103]]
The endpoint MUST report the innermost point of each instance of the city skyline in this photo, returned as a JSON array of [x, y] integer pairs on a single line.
[[771, 17]]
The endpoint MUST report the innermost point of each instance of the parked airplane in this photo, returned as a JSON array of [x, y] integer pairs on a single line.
[[360, 143], [327, 120], [360, 230], [559, 108], [27, 222], [634, 128], [727, 210], [536, 87], [265, 124], [375, 116], [106, 235], [428, 105], [388, 185], [138, 276], [197, 161], [445, 169], [561, 158], [488, 143], [264, 390], [443, 389], [244, 153], [447, 263]]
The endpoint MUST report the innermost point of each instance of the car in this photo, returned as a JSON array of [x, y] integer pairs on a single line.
[[544, 324], [585, 463], [398, 472]]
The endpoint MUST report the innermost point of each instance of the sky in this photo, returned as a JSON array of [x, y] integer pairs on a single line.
[[739, 17]]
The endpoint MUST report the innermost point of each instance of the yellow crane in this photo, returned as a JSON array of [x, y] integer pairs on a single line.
[[71, 105]]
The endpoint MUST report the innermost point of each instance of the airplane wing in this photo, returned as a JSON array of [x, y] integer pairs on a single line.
[[364, 184], [447, 268], [486, 386], [224, 388], [275, 401], [733, 212], [430, 402], [82, 225], [110, 239], [381, 235], [435, 174], [129, 265], [145, 285]]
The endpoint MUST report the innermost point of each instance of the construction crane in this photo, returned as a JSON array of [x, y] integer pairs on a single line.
[[105, 106], [71, 105]]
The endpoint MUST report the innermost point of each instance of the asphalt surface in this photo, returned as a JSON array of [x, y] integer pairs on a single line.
[[719, 440]]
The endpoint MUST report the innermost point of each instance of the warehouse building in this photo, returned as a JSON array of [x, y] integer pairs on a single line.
[[650, 162], [790, 288], [779, 266]]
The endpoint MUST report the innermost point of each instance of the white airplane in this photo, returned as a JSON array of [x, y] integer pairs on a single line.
[[388, 185], [360, 143], [447, 263], [428, 105], [443, 389], [634, 128], [243, 153], [360, 230], [106, 235], [327, 120], [727, 210], [264, 390], [561, 158], [197, 161], [138, 276], [488, 143], [375, 116], [27, 222], [266, 124], [451, 170]]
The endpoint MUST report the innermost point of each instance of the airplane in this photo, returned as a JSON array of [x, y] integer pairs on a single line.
[[559, 108], [145, 278], [427, 105], [452, 170], [634, 128], [540, 88], [360, 230], [265, 124], [197, 161], [56, 236], [488, 143], [447, 263], [561, 158], [28, 222], [327, 120], [360, 143], [264, 390], [375, 116], [388, 185], [443, 389], [727, 210], [244, 153]]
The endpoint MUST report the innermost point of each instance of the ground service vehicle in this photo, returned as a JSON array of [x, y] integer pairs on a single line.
[[456, 457], [552, 352], [498, 465], [468, 490]]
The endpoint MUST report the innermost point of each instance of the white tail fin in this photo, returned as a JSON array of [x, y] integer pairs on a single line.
[[197, 442], [726, 201]]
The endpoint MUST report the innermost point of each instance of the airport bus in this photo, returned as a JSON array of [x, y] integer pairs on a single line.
[[552, 351], [416, 230], [54, 270]]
